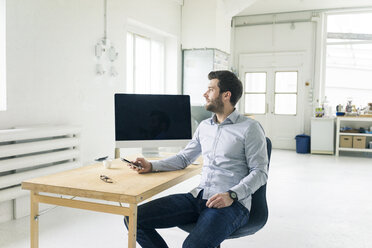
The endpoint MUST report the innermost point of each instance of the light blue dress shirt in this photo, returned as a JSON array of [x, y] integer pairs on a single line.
[[234, 157]]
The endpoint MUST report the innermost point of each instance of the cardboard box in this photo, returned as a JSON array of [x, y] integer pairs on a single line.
[[346, 141], [359, 142]]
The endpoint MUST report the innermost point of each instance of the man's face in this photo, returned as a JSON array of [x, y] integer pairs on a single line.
[[213, 97]]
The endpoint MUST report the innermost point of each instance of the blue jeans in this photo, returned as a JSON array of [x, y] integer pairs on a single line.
[[212, 225]]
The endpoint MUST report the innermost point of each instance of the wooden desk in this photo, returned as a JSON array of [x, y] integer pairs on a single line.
[[128, 187]]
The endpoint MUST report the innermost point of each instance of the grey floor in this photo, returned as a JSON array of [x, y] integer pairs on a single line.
[[314, 201]]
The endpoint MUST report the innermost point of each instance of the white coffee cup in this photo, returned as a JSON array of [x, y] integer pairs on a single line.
[[107, 163]]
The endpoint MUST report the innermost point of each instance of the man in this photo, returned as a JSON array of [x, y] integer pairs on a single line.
[[235, 166]]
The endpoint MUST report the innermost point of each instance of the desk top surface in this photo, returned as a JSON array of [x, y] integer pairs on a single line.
[[128, 186]]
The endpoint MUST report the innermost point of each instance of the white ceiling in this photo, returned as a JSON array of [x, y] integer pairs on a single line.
[[277, 6]]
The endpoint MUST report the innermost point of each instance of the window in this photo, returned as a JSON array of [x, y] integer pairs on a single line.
[[285, 92], [2, 57], [255, 93], [145, 64], [348, 71]]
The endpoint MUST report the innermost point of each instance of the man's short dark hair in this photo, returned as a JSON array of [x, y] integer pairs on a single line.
[[228, 81]]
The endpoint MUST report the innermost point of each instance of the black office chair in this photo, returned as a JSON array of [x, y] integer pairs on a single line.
[[258, 214]]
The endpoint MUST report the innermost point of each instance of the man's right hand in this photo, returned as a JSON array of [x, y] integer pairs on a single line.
[[146, 166]]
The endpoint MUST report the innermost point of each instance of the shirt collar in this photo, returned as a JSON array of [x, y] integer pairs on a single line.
[[232, 118]]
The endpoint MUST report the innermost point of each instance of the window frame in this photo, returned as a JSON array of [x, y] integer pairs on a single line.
[[326, 43], [144, 34]]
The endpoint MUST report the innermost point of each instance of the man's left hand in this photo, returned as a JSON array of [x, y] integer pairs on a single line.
[[220, 200]]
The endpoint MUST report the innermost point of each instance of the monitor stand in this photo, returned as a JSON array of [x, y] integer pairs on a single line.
[[151, 152]]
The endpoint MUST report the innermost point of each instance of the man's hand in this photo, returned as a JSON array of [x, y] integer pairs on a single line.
[[220, 200], [146, 166]]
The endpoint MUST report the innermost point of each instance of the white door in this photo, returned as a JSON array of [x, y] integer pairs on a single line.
[[273, 93]]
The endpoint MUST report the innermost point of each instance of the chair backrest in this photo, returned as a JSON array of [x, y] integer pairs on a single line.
[[259, 211]]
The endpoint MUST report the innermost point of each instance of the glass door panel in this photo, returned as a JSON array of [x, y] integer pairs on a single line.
[[286, 84], [255, 92], [285, 104], [255, 103]]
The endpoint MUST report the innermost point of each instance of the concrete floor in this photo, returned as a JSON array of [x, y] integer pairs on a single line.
[[314, 201]]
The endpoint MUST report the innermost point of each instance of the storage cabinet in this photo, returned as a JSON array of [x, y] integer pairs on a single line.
[[322, 135], [350, 141], [196, 65]]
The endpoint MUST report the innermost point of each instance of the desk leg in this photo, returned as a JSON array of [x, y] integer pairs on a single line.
[[34, 221], [132, 234]]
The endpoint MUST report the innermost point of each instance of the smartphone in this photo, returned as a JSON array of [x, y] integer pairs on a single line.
[[131, 163]]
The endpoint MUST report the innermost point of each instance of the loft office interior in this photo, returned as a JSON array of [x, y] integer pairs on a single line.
[[52, 74]]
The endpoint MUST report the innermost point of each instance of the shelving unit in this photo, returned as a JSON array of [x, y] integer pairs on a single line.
[[355, 122]]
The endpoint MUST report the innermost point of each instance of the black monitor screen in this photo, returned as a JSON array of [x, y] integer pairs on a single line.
[[152, 117]]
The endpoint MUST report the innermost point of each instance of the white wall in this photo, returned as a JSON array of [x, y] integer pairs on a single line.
[[51, 65], [205, 24]]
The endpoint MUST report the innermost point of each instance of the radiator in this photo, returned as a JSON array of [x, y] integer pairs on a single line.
[[32, 152]]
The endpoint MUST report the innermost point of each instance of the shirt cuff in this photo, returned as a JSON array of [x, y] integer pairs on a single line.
[[240, 192], [156, 165]]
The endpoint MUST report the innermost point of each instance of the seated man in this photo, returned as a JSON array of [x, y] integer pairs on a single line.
[[235, 166]]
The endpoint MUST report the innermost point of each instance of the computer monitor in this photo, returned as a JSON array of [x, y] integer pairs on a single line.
[[152, 121]]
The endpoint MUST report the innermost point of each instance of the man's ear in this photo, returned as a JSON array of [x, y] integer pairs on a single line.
[[227, 95]]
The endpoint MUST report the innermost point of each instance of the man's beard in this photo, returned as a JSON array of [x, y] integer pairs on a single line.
[[216, 105]]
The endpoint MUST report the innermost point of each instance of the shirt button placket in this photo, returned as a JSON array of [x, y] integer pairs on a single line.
[[216, 141], [210, 176]]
